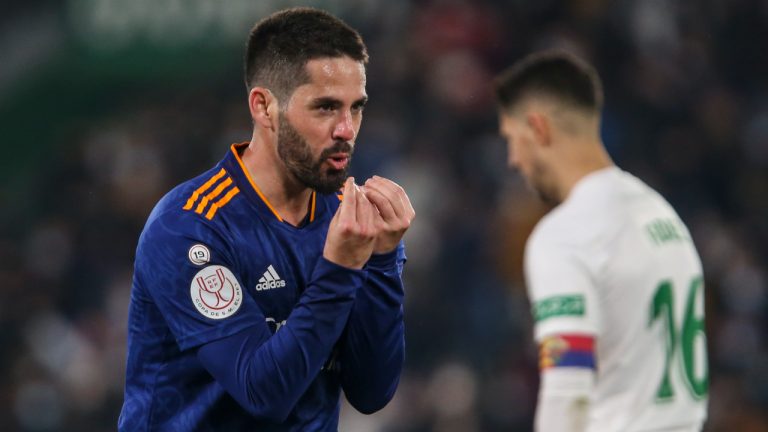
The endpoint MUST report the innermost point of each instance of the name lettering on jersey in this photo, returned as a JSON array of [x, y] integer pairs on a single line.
[[215, 292], [208, 203], [199, 254], [564, 305], [270, 280], [666, 230]]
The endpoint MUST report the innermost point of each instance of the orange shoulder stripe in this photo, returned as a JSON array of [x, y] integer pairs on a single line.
[[212, 195], [221, 202], [203, 188]]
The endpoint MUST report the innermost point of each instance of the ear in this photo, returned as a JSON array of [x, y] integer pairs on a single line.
[[264, 107], [541, 128]]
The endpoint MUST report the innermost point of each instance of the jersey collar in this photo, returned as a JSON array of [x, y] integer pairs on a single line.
[[235, 163]]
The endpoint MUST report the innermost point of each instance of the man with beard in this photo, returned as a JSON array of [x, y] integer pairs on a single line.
[[614, 279], [259, 291]]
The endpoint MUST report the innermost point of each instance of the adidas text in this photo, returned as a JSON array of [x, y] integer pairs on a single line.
[[270, 280], [270, 285]]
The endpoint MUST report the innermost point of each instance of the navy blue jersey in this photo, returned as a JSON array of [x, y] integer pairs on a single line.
[[237, 322]]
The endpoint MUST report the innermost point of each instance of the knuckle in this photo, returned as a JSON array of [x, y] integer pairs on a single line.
[[371, 231]]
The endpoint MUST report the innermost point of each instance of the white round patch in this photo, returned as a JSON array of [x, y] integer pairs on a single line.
[[215, 292], [199, 254]]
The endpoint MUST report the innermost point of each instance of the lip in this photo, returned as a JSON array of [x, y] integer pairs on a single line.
[[338, 161]]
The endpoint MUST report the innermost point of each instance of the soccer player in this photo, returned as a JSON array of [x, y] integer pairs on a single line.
[[614, 279], [260, 292]]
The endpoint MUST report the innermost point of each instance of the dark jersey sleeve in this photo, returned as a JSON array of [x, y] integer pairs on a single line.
[[373, 348], [186, 268], [193, 276], [267, 375]]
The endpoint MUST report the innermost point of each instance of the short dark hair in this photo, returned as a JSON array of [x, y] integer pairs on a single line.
[[280, 45], [554, 74]]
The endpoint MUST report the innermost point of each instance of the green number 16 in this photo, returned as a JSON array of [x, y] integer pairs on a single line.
[[684, 340]]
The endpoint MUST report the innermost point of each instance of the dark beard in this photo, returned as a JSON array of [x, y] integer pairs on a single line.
[[297, 157]]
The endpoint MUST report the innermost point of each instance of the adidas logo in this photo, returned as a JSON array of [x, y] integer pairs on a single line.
[[270, 280]]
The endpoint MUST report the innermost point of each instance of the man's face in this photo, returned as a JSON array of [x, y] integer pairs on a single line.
[[318, 127], [524, 154]]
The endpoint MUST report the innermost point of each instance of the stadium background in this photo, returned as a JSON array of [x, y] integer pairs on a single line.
[[106, 104]]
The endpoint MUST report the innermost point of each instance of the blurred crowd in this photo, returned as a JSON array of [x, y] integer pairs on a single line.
[[686, 88]]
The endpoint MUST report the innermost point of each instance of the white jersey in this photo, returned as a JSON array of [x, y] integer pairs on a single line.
[[614, 261]]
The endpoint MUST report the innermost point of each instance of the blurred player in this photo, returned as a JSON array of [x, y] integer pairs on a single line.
[[258, 294], [613, 276]]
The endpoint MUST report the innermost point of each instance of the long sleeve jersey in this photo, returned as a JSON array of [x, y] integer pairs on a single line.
[[237, 322]]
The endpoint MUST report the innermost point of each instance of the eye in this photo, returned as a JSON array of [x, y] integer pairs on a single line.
[[357, 109], [359, 106], [325, 105]]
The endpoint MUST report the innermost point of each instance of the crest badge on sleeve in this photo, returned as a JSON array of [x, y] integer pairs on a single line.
[[199, 254], [215, 292]]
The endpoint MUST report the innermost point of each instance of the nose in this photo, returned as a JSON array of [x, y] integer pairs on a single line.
[[344, 129]]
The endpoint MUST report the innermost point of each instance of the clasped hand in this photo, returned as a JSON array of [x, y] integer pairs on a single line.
[[371, 219]]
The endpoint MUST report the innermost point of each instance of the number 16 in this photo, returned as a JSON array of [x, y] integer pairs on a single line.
[[664, 306]]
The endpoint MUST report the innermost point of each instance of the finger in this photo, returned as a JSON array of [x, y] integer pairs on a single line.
[[387, 183], [407, 206], [409, 210], [382, 203], [365, 213], [391, 191], [374, 220], [349, 203]]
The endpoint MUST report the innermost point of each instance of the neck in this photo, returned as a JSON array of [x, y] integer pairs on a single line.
[[585, 159], [287, 196]]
